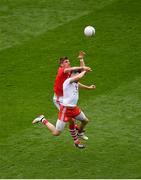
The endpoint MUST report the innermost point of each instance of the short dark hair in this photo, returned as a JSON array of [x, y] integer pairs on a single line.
[[62, 59]]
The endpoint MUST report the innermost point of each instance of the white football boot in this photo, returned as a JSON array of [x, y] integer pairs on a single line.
[[78, 144], [82, 136], [38, 119]]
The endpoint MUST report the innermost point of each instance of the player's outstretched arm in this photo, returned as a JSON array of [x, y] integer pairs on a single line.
[[77, 77], [66, 70], [82, 86]]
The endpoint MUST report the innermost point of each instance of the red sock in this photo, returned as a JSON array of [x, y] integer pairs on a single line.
[[44, 121], [73, 132], [77, 141]]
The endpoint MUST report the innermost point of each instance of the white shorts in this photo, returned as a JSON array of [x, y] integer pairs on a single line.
[[58, 100], [60, 124]]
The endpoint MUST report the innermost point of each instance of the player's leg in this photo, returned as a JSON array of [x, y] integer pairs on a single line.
[[84, 120], [49, 125], [62, 119], [72, 129], [73, 133]]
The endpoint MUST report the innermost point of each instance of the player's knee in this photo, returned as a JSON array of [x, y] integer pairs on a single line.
[[86, 120], [56, 133]]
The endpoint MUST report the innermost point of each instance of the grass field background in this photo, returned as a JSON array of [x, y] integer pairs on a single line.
[[33, 36]]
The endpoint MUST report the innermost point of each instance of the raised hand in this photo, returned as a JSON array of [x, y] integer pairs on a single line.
[[81, 54]]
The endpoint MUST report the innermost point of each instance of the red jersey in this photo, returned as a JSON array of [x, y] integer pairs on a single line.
[[60, 78]]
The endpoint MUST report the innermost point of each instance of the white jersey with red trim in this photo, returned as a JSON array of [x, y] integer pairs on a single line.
[[70, 93]]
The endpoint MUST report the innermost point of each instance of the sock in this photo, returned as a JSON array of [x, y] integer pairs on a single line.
[[44, 121], [73, 132], [77, 141]]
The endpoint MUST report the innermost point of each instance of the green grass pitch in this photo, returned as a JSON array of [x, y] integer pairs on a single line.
[[33, 35]]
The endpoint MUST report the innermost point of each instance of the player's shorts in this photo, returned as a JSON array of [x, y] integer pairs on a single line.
[[58, 100], [65, 114], [60, 125], [75, 113]]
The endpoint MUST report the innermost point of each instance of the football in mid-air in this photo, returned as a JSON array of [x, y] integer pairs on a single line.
[[89, 31]]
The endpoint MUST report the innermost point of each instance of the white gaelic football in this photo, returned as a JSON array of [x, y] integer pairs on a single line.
[[89, 31]]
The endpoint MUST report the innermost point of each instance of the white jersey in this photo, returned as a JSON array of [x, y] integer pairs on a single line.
[[70, 93]]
